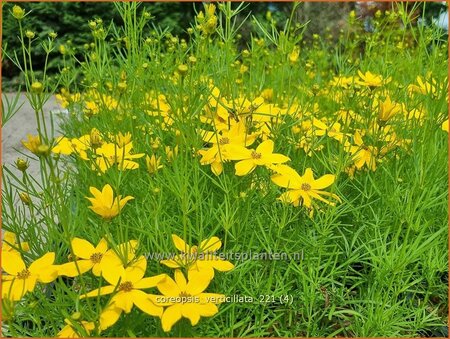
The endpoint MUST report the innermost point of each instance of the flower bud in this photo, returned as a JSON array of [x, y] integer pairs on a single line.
[[76, 316], [25, 198], [22, 164], [30, 34], [18, 12], [122, 86], [182, 69], [43, 150], [92, 25], [52, 35], [37, 87]]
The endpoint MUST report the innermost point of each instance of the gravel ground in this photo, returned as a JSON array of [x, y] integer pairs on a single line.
[[17, 128]]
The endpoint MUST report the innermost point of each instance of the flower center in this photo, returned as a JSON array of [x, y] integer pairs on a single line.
[[126, 286], [96, 257], [256, 155], [364, 147], [306, 187], [24, 274], [224, 141], [184, 297]]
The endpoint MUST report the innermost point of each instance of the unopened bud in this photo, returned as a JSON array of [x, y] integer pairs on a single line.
[[25, 198], [30, 34], [22, 164], [37, 87], [182, 69], [18, 12]]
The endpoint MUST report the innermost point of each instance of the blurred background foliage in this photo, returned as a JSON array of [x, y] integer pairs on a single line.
[[70, 21]]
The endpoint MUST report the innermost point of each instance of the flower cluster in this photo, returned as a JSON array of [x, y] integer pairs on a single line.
[[124, 270]]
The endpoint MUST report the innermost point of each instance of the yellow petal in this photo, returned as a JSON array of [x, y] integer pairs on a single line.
[[180, 280], [210, 245], [190, 311], [82, 248], [143, 302], [170, 316], [266, 147], [136, 271], [102, 246], [12, 262], [170, 263], [168, 287], [107, 195], [109, 316], [220, 264], [209, 309], [99, 291], [323, 181], [180, 244], [244, 167], [42, 263], [74, 268], [198, 282], [123, 301], [149, 282]]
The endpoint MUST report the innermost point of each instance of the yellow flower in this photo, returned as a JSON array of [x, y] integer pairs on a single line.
[[386, 109], [33, 143], [171, 153], [104, 203], [372, 80], [117, 258], [70, 331], [424, 87], [303, 189], [10, 244], [21, 279], [111, 154], [63, 146], [127, 286], [90, 258], [262, 156], [221, 141], [153, 164], [363, 154], [293, 56], [186, 299], [198, 258], [445, 125]]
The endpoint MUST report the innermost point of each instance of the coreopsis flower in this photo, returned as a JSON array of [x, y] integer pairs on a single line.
[[117, 258], [372, 80], [200, 258], [110, 154], [21, 279], [63, 146], [363, 154], [105, 204], [221, 141], [127, 287], [185, 298], [424, 87], [386, 109], [88, 257], [153, 164], [171, 153], [33, 143], [250, 159], [303, 189], [445, 125], [293, 56], [10, 244], [71, 331]]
